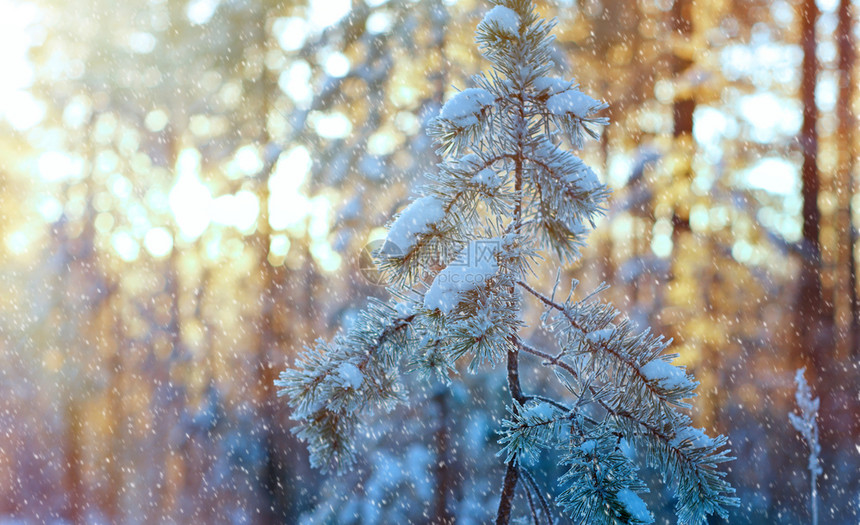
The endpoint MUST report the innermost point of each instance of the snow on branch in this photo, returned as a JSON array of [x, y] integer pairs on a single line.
[[473, 268], [642, 391], [462, 119], [507, 187], [413, 222], [573, 111], [569, 197], [334, 382], [467, 107], [601, 484], [501, 20], [573, 103]]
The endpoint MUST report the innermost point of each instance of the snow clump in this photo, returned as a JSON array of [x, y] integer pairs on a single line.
[[635, 506], [666, 374], [415, 220], [572, 102], [473, 267], [502, 19], [465, 107]]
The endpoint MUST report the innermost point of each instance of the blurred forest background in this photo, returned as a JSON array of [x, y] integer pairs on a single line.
[[186, 188]]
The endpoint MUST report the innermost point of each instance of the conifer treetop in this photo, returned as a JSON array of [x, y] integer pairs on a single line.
[[507, 192]]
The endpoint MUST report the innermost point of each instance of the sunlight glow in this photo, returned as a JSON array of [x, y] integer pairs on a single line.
[[323, 13], [710, 126], [158, 242], [200, 11], [141, 42], [333, 125], [18, 242], [22, 110], [328, 259], [381, 143], [661, 242], [296, 81], [770, 116], [239, 211], [773, 175], [291, 32], [18, 107], [125, 245], [279, 246], [190, 200], [379, 22], [247, 160], [619, 167], [287, 205], [57, 165], [156, 120], [320, 212], [336, 64], [50, 208], [77, 111]]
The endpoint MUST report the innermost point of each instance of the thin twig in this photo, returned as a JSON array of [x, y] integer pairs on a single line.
[[543, 503], [630, 363], [531, 504]]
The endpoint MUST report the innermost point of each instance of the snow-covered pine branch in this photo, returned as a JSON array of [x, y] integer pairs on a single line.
[[340, 379], [508, 190]]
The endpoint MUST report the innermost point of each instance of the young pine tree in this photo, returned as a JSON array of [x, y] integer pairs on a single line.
[[461, 257], [806, 423]]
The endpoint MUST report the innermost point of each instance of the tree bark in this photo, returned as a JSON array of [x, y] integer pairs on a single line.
[[683, 107], [845, 293], [441, 513], [813, 322], [74, 484], [848, 340], [512, 472], [509, 486], [812, 342]]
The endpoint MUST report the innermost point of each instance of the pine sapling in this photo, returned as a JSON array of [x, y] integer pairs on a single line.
[[806, 423], [507, 196]]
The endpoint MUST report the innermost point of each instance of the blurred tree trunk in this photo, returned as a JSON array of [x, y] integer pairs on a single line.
[[166, 401], [683, 147], [173, 390], [813, 322], [813, 344], [845, 296], [73, 479], [117, 442], [683, 108], [441, 513], [684, 105], [278, 500], [85, 294]]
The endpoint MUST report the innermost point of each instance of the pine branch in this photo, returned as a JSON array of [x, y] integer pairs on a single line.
[[507, 183], [527, 476], [531, 504], [598, 342], [701, 489]]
